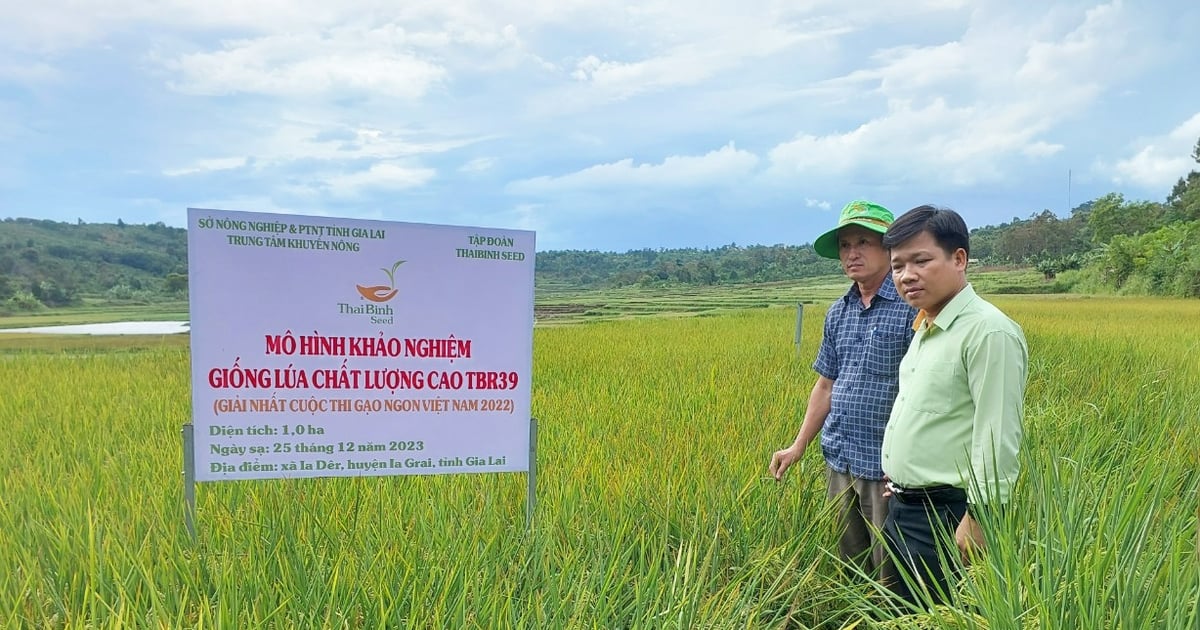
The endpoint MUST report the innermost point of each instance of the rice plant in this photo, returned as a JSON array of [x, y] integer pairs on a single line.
[[654, 510]]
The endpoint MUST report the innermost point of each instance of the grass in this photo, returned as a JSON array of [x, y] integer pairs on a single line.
[[98, 314], [558, 304], [569, 305], [42, 343], [653, 510]]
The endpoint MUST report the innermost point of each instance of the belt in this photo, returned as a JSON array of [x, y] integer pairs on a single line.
[[929, 494]]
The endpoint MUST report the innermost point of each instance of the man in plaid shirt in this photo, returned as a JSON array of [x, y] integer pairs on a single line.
[[867, 332]]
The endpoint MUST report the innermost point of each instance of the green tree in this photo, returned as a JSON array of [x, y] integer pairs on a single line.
[[1117, 260], [1112, 215], [177, 282], [1183, 204], [1047, 268], [52, 294], [1041, 236]]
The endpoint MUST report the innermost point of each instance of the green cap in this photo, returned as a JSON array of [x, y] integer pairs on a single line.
[[872, 216]]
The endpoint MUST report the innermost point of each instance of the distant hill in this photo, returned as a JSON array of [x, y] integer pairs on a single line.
[[50, 263], [1107, 245], [728, 264]]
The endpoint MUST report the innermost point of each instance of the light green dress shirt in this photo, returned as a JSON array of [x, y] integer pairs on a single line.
[[957, 418]]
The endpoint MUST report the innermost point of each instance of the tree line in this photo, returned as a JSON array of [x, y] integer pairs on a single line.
[[47, 263], [728, 264], [1106, 244], [1109, 243]]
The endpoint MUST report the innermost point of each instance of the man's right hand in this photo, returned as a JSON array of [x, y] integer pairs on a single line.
[[783, 459]]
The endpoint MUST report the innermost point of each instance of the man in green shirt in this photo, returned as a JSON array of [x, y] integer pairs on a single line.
[[951, 443]]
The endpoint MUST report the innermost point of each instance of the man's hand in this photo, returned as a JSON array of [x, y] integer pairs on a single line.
[[969, 538], [783, 459]]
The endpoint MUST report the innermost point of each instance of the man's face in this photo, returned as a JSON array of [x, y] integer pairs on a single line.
[[925, 275], [862, 254]]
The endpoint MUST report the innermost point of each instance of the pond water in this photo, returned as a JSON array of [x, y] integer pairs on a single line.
[[113, 328]]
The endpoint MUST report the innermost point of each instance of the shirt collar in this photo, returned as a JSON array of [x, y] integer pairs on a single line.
[[950, 311], [887, 291]]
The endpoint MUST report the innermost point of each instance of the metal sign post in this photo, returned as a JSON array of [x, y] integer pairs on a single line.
[[189, 480], [531, 489], [799, 323]]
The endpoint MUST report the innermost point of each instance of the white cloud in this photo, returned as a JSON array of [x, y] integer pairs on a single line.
[[27, 71], [958, 145], [374, 62], [208, 165], [970, 111], [56, 26], [1042, 149], [685, 65], [1106, 29], [383, 176], [303, 136], [692, 51], [526, 216], [478, 165], [283, 48], [244, 203], [909, 71], [722, 166], [299, 139], [585, 107], [1160, 162]]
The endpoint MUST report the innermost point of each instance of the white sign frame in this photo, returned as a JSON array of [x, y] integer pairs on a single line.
[[333, 347]]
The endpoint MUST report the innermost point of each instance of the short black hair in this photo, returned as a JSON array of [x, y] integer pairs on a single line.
[[948, 229]]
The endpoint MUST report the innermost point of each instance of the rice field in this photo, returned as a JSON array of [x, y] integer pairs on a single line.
[[654, 508]]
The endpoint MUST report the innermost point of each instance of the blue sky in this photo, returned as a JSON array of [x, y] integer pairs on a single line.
[[601, 126]]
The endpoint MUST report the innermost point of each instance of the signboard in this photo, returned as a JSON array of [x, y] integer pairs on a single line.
[[337, 347]]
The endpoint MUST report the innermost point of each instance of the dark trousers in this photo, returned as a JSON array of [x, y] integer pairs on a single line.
[[919, 532]]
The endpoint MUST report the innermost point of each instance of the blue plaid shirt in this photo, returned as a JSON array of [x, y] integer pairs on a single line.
[[860, 352]]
